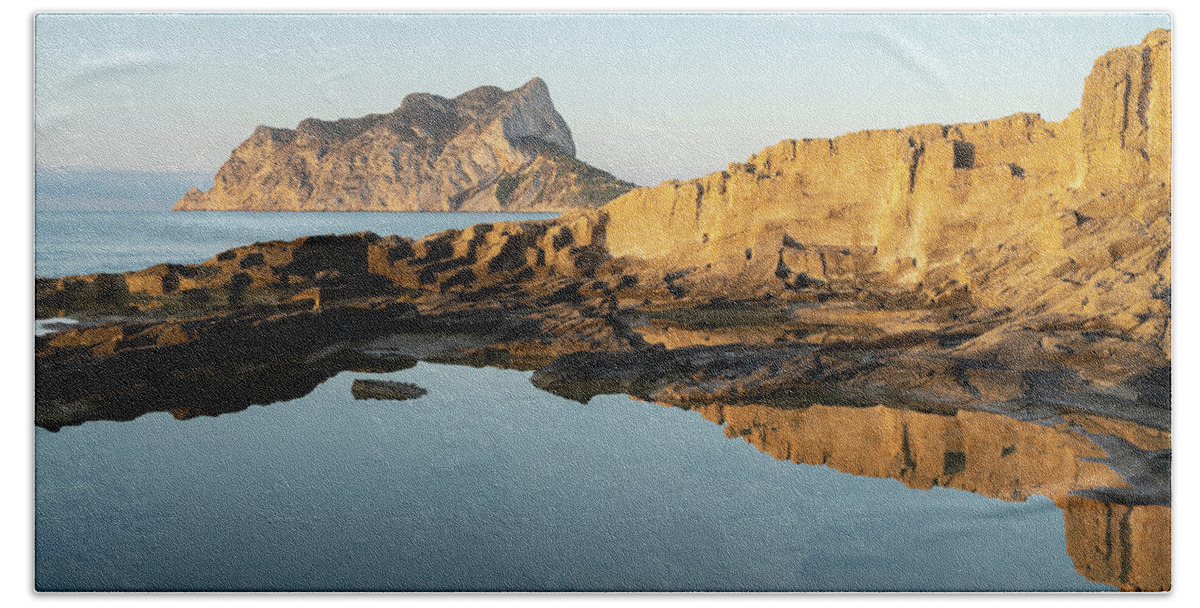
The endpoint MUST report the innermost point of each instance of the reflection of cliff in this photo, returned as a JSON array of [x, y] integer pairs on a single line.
[[1123, 545]]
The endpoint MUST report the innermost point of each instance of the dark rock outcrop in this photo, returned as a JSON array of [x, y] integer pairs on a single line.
[[386, 390]]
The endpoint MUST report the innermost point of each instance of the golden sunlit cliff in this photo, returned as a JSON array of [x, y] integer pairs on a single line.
[[1068, 217]]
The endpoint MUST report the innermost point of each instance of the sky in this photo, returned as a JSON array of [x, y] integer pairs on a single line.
[[647, 97]]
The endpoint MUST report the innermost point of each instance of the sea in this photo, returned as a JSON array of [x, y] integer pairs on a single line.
[[486, 483]]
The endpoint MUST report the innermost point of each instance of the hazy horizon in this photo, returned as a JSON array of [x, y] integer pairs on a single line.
[[648, 97]]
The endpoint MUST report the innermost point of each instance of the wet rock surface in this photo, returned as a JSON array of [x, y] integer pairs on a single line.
[[386, 390]]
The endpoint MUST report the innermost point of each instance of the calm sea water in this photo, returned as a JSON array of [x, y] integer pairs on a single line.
[[81, 242], [486, 483]]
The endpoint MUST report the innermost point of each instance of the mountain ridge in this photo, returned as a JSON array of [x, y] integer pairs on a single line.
[[484, 150]]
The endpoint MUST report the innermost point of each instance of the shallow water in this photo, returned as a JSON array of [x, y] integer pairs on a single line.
[[42, 327]]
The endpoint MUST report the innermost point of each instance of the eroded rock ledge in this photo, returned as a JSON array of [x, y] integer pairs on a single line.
[[548, 296]]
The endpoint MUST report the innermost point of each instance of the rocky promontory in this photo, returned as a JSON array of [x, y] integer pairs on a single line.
[[1013, 269], [992, 264], [485, 150]]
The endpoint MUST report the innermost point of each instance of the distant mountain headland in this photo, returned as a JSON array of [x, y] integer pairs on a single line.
[[485, 150]]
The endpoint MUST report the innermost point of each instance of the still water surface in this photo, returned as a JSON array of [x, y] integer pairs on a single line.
[[486, 483], [81, 242], [489, 483]]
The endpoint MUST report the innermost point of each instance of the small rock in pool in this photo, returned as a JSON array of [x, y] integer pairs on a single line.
[[386, 389]]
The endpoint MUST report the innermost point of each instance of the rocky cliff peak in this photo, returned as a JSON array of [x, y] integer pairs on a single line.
[[1158, 36], [1068, 218], [531, 114], [484, 150]]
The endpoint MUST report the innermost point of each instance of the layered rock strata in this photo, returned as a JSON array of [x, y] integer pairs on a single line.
[[1070, 217], [485, 150]]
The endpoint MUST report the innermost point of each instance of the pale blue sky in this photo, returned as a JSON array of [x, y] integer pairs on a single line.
[[648, 97]]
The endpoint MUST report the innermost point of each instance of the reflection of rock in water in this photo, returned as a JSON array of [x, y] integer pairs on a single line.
[[1126, 545], [386, 390], [207, 366]]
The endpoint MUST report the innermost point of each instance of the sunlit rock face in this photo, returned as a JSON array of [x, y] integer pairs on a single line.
[[1069, 217], [1119, 539], [485, 150], [1126, 122]]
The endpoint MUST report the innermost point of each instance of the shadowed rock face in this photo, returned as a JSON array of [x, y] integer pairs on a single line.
[[268, 322], [485, 150], [385, 390], [205, 366]]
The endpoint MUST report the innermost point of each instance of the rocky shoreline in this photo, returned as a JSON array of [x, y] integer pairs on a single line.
[[772, 370], [535, 296], [1011, 268]]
